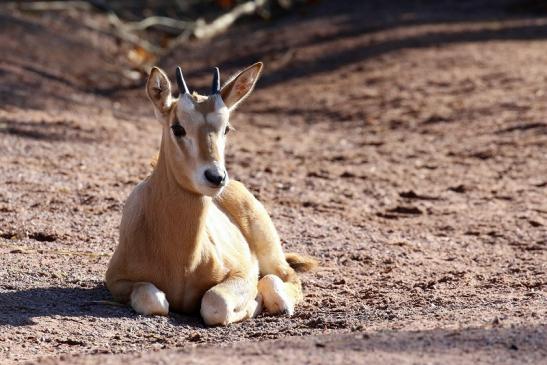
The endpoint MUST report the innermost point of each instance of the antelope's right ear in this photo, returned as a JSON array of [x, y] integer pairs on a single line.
[[158, 89]]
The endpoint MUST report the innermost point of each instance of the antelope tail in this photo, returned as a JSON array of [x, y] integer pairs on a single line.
[[301, 263]]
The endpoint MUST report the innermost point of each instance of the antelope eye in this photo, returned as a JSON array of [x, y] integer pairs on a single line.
[[227, 130], [178, 130]]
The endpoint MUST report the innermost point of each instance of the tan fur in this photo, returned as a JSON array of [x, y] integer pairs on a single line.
[[204, 106], [186, 248], [301, 263]]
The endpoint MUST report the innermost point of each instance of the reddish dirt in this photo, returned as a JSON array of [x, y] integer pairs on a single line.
[[404, 145]]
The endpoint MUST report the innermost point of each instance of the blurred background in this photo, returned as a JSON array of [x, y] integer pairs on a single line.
[[132, 36], [402, 143]]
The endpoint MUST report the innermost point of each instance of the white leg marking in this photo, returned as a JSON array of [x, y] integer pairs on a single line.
[[275, 296], [147, 299], [215, 309]]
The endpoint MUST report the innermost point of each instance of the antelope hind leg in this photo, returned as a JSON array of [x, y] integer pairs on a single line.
[[280, 287], [278, 296]]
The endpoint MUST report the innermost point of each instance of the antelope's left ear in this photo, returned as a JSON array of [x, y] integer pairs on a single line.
[[240, 86]]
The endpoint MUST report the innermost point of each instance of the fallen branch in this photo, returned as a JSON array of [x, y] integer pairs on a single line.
[[203, 30], [124, 33], [165, 22], [223, 22], [128, 31], [198, 29]]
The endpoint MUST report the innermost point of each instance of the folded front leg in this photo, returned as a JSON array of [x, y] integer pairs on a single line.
[[144, 297], [233, 300], [147, 299]]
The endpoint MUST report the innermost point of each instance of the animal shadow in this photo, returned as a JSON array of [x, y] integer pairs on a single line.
[[19, 307]]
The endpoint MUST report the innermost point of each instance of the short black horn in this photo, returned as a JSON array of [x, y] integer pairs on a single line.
[[215, 87], [183, 89]]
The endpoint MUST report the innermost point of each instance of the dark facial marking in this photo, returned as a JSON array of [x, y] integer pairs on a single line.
[[178, 130]]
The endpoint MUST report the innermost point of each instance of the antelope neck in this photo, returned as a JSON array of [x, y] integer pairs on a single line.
[[181, 214]]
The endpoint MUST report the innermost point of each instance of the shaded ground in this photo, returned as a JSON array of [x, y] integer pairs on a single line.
[[404, 146]]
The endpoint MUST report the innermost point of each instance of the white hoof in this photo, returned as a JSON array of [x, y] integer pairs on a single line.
[[274, 295], [148, 300], [215, 310]]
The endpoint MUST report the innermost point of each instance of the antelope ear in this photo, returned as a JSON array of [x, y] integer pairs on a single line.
[[240, 85], [158, 89]]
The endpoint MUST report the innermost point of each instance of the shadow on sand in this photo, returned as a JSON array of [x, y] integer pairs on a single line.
[[18, 308]]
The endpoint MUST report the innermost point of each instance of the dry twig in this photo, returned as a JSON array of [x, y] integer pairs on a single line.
[[128, 31], [223, 22]]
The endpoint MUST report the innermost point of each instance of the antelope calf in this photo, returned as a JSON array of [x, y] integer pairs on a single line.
[[190, 238]]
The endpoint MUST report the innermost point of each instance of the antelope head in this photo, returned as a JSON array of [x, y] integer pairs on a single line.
[[195, 126]]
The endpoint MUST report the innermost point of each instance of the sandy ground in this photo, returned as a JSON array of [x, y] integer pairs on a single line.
[[404, 145]]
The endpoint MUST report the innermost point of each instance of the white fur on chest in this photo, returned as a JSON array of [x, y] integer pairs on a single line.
[[228, 242]]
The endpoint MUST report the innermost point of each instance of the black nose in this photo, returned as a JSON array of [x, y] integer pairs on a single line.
[[215, 177]]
